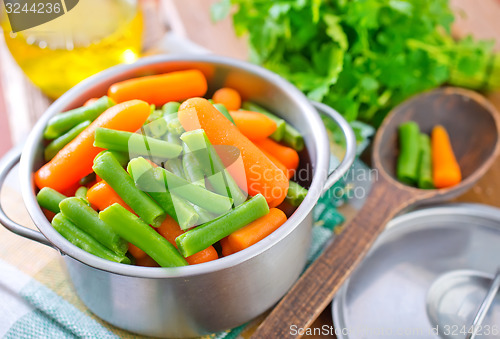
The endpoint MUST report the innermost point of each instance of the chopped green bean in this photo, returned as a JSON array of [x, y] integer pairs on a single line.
[[81, 192], [425, 163], [192, 168], [293, 138], [217, 174], [121, 157], [296, 194], [134, 143], [175, 127], [144, 177], [221, 108], [199, 238], [141, 235], [107, 167], [175, 166], [280, 123], [84, 241], [61, 123], [170, 108], [83, 216], [173, 139], [49, 199], [57, 144], [204, 198], [409, 151], [156, 128]]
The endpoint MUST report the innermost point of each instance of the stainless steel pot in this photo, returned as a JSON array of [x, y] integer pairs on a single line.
[[193, 300]]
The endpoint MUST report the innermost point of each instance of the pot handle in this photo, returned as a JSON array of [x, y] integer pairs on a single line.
[[8, 162], [350, 138]]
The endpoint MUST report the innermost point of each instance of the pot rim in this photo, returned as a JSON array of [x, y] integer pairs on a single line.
[[321, 143]]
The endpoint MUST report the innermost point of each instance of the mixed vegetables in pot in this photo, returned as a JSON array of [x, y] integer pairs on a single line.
[[179, 185]]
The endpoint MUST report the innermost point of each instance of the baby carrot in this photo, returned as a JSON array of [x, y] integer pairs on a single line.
[[409, 150], [286, 155], [90, 101], [170, 230], [229, 97], [445, 168], [253, 125], [101, 195], [75, 160], [278, 164], [261, 175], [162, 88], [253, 232], [136, 251], [146, 261], [280, 123]]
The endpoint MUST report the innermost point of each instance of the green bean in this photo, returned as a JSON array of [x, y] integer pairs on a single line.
[[409, 150], [81, 192], [217, 174], [175, 166], [57, 144], [296, 194], [84, 241], [192, 168], [83, 216], [156, 128], [199, 238], [175, 127], [204, 198], [170, 108], [141, 235], [221, 108], [204, 216], [49, 199], [121, 157], [293, 138], [173, 139], [134, 143], [280, 123], [425, 163], [61, 123], [144, 177], [155, 115], [107, 167]]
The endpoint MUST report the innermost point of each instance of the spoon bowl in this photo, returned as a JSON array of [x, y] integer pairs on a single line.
[[473, 124]]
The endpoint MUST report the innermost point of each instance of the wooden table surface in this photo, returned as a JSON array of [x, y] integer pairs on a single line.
[[16, 119]]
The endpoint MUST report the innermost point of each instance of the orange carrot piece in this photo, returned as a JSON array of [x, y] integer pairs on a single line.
[[145, 261], [170, 229], [285, 155], [253, 125], [162, 88], [90, 101], [445, 169], [279, 164], [261, 174], [101, 196], [75, 160], [136, 252], [253, 232], [229, 97]]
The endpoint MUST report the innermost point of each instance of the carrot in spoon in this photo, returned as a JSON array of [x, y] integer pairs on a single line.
[[75, 160], [253, 232], [253, 125], [261, 174], [285, 155], [228, 97], [445, 169], [170, 230], [162, 88]]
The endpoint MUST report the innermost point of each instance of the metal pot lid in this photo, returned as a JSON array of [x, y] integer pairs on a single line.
[[387, 296]]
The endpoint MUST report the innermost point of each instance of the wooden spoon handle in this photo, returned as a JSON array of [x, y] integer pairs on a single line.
[[316, 287]]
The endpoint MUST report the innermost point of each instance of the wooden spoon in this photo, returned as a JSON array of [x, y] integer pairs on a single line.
[[473, 125]]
